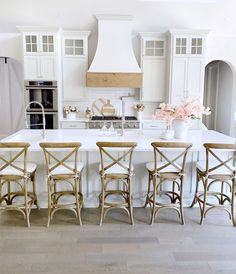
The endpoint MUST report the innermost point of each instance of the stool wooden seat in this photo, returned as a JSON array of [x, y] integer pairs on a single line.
[[216, 171], [63, 170], [16, 172], [160, 173], [116, 165]]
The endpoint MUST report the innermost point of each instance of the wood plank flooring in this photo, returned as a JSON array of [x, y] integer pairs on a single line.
[[117, 247]]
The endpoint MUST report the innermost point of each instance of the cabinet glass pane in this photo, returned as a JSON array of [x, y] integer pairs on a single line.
[[149, 52], [149, 44], [44, 38], [28, 48], [184, 50], [69, 51], [27, 39], [79, 51], [181, 46], [51, 48], [159, 44], [159, 52], [45, 48], [34, 48], [50, 39], [199, 50], [79, 43], [193, 50], [68, 42], [178, 42], [34, 39]]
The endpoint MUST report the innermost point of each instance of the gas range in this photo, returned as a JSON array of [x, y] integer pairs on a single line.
[[99, 121]]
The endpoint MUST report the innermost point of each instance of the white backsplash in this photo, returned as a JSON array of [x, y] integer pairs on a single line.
[[113, 94]]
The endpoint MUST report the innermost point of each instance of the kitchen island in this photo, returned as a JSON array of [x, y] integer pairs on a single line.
[[89, 155]]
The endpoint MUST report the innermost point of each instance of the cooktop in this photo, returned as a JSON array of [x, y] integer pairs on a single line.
[[109, 118]]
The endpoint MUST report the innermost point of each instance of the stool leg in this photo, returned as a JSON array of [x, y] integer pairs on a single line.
[[26, 203], [154, 199], [148, 191], [49, 202], [77, 180], [181, 200], [204, 201], [102, 201], [232, 201], [33, 179], [130, 201]]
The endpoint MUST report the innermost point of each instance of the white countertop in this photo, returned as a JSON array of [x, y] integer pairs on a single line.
[[89, 137]]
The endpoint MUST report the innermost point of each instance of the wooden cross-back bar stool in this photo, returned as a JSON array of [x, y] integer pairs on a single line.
[[216, 170], [64, 169], [116, 165], [16, 174], [162, 172]]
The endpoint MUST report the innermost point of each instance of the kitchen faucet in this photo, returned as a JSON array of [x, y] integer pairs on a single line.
[[123, 111], [43, 113]]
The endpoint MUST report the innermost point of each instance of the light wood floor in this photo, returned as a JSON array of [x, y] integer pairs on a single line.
[[117, 247]]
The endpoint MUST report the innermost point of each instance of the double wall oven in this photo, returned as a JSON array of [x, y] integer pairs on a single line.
[[44, 92]]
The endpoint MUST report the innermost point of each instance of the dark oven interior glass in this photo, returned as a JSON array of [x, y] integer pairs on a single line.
[[36, 121], [44, 96]]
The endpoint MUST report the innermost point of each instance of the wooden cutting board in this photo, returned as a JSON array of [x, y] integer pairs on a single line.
[[103, 107]]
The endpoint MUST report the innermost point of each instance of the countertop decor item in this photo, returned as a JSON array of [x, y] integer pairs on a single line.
[[108, 109], [166, 113], [88, 113], [180, 116], [139, 107], [71, 112]]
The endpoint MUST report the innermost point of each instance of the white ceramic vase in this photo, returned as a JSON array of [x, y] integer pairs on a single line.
[[180, 128], [72, 116], [139, 115]]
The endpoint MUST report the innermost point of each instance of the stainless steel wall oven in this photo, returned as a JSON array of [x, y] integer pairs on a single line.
[[44, 92]]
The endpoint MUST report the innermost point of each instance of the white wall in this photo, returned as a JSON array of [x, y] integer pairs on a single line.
[[11, 45]]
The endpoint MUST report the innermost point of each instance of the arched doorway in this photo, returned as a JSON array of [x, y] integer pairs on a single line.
[[219, 96]]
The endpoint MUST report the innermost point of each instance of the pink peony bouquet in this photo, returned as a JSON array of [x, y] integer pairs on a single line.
[[189, 109]]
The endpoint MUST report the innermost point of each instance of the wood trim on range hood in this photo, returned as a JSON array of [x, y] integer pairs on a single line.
[[123, 80]]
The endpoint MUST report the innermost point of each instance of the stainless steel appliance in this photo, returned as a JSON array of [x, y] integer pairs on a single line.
[[35, 120], [98, 122], [44, 92]]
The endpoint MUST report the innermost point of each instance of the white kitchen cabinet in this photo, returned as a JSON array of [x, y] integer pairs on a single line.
[[40, 67], [186, 71], [153, 65], [73, 124], [40, 53], [74, 64]]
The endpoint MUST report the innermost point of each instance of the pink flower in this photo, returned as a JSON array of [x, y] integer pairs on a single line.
[[186, 111]]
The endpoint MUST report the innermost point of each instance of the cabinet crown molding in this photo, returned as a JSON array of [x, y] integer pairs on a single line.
[[153, 34], [118, 17], [189, 31], [37, 29], [82, 33]]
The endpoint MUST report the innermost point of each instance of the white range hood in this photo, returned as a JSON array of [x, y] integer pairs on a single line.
[[114, 64]]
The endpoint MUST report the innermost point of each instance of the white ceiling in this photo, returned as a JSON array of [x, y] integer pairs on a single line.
[[148, 15]]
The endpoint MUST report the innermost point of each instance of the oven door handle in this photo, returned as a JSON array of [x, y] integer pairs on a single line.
[[41, 88]]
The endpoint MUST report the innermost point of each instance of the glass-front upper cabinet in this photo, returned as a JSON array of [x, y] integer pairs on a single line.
[[154, 48], [31, 43], [35, 43], [188, 46], [47, 43], [73, 47], [196, 46]]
